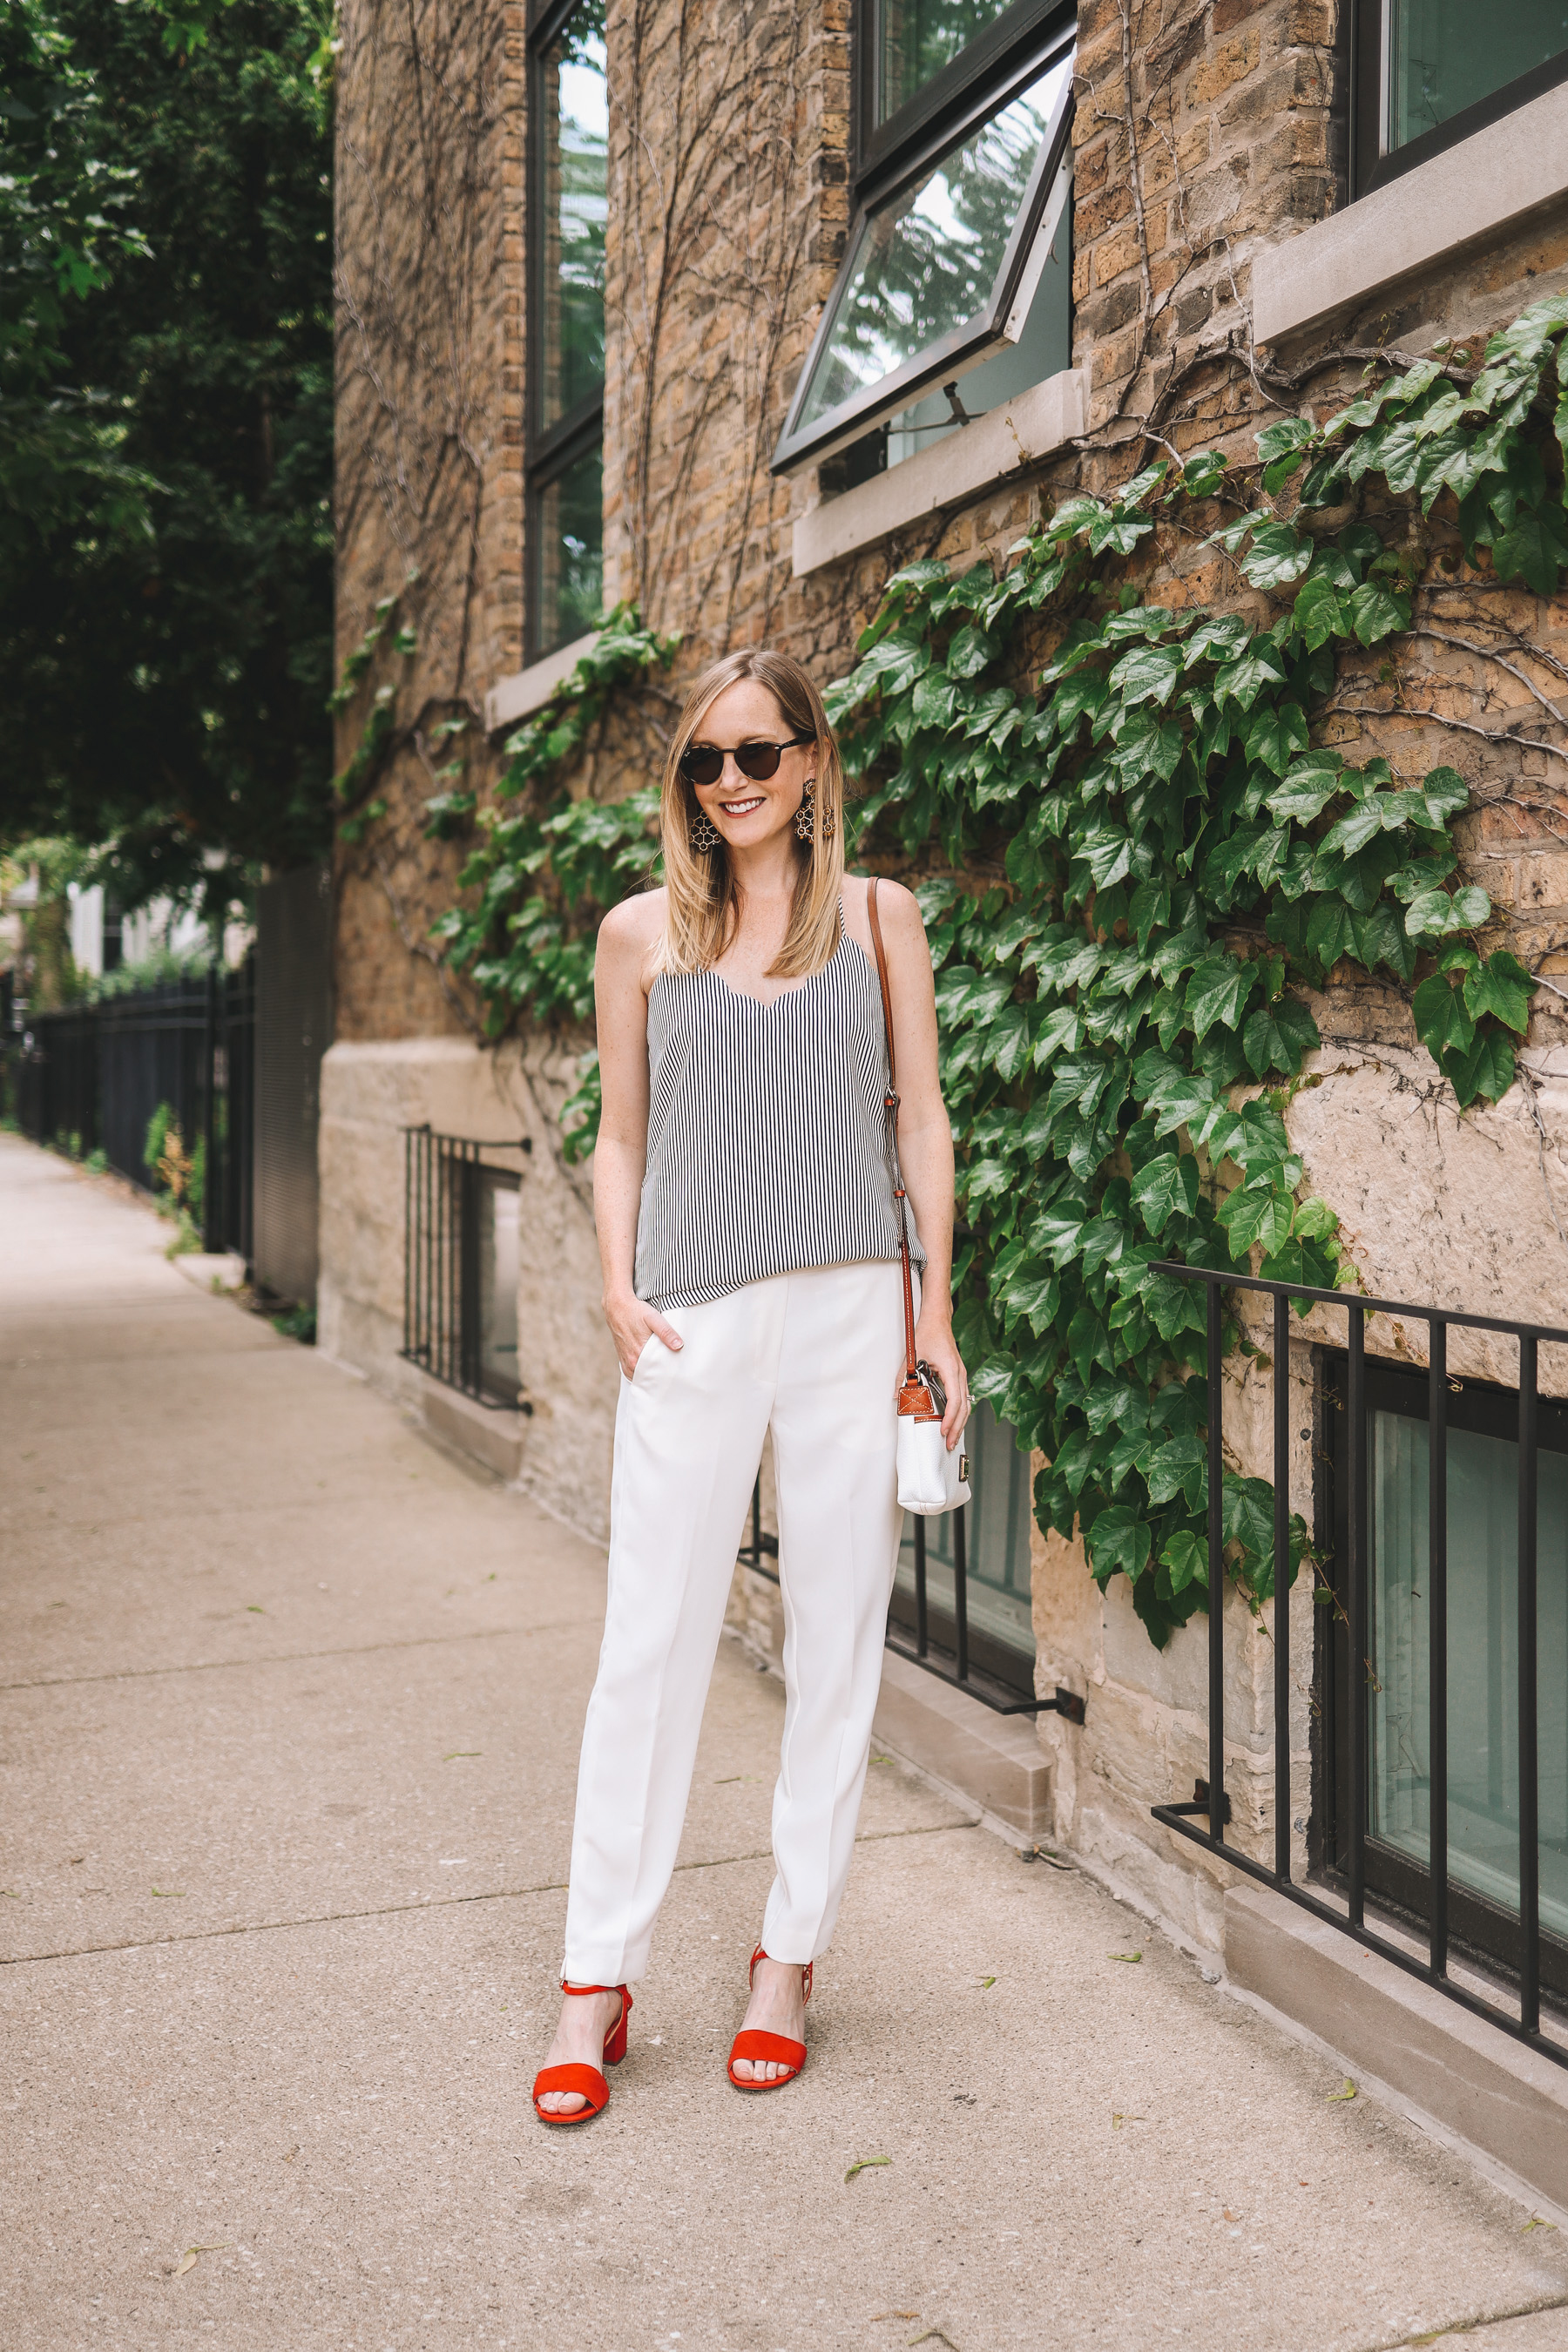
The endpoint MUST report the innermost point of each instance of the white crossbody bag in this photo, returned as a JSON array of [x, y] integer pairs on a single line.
[[930, 1479]]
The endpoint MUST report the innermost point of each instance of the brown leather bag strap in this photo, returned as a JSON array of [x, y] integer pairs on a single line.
[[891, 1104]]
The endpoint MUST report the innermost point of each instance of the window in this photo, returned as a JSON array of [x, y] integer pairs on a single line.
[[490, 1304], [1482, 1654], [461, 1254], [991, 1539], [569, 147], [1430, 72], [956, 290]]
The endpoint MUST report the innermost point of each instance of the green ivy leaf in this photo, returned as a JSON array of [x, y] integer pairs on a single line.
[[1247, 1514], [1375, 613], [1502, 986], [1318, 613], [1202, 475], [1118, 1539], [1446, 793], [1535, 548], [1254, 1214], [1147, 674], [971, 652], [1485, 1067], [1180, 1466], [1277, 1036], [1309, 786], [1216, 992], [1442, 1023], [1166, 1187], [1250, 675], [1277, 555], [1186, 1559], [1278, 733]]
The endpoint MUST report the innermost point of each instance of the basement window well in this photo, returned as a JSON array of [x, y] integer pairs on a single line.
[[462, 1208], [1481, 1714]]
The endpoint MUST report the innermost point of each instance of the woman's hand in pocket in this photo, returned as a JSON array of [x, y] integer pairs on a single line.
[[632, 1324]]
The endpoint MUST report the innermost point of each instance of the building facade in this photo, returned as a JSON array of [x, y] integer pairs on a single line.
[[727, 312]]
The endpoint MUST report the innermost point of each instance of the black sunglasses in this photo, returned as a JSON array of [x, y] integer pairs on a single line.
[[704, 763]]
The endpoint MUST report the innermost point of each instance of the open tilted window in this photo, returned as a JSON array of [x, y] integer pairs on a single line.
[[955, 289], [1430, 72]]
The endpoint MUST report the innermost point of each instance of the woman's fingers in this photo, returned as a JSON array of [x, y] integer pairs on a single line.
[[632, 1336]]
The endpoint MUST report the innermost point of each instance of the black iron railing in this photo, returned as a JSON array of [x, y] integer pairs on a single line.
[[454, 1305], [92, 1077], [1211, 1801], [955, 1667]]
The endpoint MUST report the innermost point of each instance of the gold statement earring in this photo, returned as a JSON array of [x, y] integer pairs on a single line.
[[703, 833], [805, 814]]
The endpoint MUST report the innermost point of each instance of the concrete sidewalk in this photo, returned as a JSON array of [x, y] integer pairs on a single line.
[[289, 1734]]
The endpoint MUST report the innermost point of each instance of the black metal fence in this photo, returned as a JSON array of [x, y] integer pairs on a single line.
[[92, 1077], [460, 1278], [1358, 1687]]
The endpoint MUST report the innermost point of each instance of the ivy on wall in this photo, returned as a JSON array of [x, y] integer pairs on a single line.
[[1172, 860]]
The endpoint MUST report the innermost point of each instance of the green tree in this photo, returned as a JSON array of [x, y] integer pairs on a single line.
[[65, 221], [162, 688]]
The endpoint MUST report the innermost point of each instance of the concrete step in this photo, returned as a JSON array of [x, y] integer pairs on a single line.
[[995, 1760], [1468, 2078], [488, 1435]]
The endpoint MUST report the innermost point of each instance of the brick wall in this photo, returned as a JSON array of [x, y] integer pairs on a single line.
[[429, 280]]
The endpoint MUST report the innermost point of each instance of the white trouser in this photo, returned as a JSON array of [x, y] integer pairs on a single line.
[[816, 1358]]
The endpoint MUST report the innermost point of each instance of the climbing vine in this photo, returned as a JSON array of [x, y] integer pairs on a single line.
[[1136, 859]]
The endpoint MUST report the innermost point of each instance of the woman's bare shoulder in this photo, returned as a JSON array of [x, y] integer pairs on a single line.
[[898, 909], [635, 924], [629, 936]]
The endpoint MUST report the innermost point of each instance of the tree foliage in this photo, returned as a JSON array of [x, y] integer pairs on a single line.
[[65, 222], [165, 637]]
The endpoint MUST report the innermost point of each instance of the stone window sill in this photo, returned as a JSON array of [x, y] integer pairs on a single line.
[[528, 690], [1458, 198], [973, 459]]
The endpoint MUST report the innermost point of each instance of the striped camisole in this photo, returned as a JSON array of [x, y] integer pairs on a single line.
[[766, 1132]]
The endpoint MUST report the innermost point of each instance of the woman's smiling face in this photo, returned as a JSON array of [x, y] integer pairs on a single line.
[[750, 811]]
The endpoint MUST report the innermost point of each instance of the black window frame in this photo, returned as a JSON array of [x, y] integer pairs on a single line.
[[1482, 1931], [549, 451], [1372, 166], [990, 71]]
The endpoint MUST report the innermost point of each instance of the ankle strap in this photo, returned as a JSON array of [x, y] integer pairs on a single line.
[[588, 1988]]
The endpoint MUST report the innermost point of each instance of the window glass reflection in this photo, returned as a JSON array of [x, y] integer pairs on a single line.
[[927, 260], [1001, 1514], [569, 552], [1446, 55], [1483, 1660], [576, 165], [1043, 350], [918, 37], [501, 1201]]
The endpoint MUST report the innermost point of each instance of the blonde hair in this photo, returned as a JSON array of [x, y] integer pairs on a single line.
[[702, 909]]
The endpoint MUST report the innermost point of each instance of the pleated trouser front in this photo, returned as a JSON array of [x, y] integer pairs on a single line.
[[815, 1358]]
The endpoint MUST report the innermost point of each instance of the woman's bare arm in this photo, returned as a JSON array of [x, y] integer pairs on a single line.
[[620, 1002], [925, 1139]]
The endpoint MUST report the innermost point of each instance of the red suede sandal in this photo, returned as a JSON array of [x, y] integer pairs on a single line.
[[760, 2047], [587, 2081]]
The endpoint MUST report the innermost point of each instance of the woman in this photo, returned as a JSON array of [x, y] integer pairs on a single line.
[[748, 1238]]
